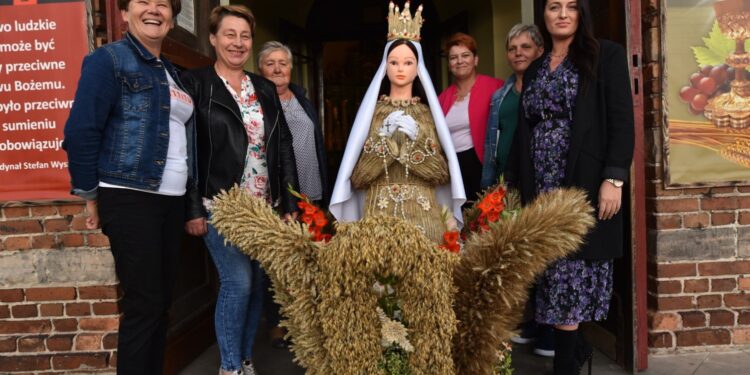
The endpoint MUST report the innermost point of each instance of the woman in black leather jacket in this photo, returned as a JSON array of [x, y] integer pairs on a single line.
[[243, 139]]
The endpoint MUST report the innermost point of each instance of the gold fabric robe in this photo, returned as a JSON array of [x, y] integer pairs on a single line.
[[399, 175]]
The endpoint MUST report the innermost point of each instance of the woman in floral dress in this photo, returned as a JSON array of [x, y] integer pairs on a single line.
[[243, 139], [576, 130]]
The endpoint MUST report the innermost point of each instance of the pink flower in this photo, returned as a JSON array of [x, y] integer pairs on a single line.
[[260, 181]]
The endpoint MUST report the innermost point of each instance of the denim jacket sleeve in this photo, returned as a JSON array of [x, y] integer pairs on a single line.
[[489, 168], [94, 99]]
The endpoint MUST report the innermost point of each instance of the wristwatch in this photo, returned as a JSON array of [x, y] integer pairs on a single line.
[[616, 183]]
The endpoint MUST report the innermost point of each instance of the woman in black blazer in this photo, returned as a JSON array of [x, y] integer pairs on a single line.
[[576, 129]]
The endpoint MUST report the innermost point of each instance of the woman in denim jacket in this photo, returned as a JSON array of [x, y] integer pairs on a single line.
[[523, 44], [129, 140]]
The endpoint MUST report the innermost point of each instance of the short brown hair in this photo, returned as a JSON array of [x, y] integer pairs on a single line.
[[221, 11], [176, 6], [461, 39]]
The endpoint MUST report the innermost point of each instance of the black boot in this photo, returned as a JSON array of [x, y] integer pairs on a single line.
[[565, 362], [584, 353]]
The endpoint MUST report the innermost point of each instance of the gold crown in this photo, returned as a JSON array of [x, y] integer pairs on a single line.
[[401, 25]]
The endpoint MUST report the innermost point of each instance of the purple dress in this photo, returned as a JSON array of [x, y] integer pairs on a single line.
[[570, 291]]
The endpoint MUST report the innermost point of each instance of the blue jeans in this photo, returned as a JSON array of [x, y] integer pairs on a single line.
[[240, 302]]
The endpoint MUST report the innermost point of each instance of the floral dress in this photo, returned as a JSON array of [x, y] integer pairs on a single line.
[[570, 291]]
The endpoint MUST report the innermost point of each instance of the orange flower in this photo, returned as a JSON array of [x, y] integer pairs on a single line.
[[319, 218], [450, 241]]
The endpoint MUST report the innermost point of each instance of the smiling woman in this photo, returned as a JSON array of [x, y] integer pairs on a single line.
[[241, 133], [133, 167]]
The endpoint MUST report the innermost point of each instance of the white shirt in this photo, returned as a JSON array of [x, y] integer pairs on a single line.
[[457, 120]]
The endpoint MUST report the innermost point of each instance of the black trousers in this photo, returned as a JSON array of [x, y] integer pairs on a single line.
[[145, 233], [471, 173]]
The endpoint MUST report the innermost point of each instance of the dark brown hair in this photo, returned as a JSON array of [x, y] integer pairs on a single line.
[[221, 11], [461, 39], [176, 6]]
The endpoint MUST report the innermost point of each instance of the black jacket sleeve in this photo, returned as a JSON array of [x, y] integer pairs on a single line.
[[193, 202], [287, 162], [619, 109]]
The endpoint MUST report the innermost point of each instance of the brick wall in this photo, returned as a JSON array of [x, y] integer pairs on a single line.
[[58, 294], [699, 239]]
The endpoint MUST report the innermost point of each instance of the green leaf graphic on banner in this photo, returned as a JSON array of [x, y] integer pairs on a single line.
[[717, 48]]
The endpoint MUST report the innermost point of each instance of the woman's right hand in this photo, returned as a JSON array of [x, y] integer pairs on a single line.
[[196, 227], [92, 217]]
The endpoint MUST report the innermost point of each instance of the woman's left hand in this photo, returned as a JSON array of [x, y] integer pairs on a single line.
[[610, 200]]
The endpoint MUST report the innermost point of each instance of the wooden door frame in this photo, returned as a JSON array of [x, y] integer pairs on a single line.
[[638, 188]]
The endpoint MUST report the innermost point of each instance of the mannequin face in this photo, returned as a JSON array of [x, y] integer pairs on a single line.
[[402, 67]]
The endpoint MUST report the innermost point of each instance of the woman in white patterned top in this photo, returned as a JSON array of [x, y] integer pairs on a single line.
[[242, 139]]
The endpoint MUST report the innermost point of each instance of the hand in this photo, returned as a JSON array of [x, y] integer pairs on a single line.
[[92, 217], [290, 217], [408, 126], [196, 227], [389, 124], [610, 199]]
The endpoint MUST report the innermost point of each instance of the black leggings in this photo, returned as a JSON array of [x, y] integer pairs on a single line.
[[471, 173]]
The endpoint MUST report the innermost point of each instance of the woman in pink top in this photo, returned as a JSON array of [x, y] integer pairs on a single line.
[[466, 105]]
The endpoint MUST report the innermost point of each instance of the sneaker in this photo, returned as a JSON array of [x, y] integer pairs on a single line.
[[545, 341], [247, 368], [528, 333], [225, 372]]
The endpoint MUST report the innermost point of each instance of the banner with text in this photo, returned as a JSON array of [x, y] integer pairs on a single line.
[[42, 44]]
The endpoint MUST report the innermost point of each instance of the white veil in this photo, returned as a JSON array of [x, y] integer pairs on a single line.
[[346, 202]]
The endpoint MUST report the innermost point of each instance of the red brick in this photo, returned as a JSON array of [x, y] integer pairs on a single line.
[[744, 202], [676, 205], [65, 325], [71, 209], [43, 211], [56, 225], [737, 300], [78, 223], [693, 319], [24, 363], [723, 285], [4, 312], [664, 321], [15, 212], [8, 344], [24, 311], [110, 341], [113, 360], [743, 189], [741, 336], [11, 295], [97, 240], [45, 241], [667, 222], [79, 361], [743, 217], [31, 344], [709, 301], [659, 340], [668, 286], [722, 218], [744, 283], [60, 343], [99, 324], [743, 317], [724, 268], [88, 342], [696, 286], [98, 292], [720, 318], [51, 309], [703, 337], [719, 203], [105, 308], [676, 270], [50, 294], [17, 243], [722, 190], [695, 221], [72, 240], [674, 303], [78, 309], [20, 227], [24, 326]]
